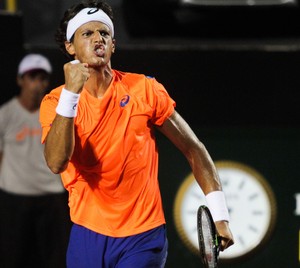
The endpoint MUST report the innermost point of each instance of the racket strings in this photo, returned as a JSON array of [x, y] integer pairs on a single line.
[[208, 239]]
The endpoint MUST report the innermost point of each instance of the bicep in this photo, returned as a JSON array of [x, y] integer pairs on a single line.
[[177, 130]]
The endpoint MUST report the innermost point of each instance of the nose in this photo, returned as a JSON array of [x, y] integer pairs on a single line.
[[41, 84], [98, 37]]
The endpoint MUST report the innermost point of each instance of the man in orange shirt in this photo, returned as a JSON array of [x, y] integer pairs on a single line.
[[98, 130]]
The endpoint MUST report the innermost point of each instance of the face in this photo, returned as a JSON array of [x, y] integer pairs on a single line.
[[92, 44], [34, 84]]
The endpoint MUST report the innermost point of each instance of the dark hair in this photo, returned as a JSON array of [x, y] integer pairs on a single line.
[[60, 35]]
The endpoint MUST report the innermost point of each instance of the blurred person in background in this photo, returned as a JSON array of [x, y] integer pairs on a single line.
[[34, 216]]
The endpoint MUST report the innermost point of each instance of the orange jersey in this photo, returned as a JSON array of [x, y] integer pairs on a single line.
[[112, 175]]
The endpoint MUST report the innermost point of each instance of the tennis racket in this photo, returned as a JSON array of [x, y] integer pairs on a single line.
[[209, 241]]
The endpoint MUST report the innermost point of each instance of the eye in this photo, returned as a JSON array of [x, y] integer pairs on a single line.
[[87, 33], [104, 33]]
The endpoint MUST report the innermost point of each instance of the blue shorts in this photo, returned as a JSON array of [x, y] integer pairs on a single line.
[[88, 249]]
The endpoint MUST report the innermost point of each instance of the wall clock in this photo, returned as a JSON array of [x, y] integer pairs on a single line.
[[251, 204]]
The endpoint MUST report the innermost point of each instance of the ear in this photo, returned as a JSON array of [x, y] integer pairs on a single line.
[[70, 48], [113, 46]]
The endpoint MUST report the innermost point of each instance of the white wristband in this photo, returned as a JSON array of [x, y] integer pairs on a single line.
[[217, 205], [67, 105]]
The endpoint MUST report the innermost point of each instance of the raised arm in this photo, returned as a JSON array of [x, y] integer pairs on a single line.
[[183, 137], [60, 141]]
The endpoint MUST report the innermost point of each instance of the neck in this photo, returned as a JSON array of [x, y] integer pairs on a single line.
[[30, 103], [99, 81]]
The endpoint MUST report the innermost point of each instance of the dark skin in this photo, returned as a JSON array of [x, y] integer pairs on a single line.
[[93, 46]]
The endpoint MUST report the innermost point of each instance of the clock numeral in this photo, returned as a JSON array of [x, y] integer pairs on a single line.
[[241, 186], [252, 228], [241, 240], [257, 212], [251, 197], [225, 181], [191, 212]]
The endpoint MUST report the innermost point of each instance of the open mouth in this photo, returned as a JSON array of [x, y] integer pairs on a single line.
[[99, 50]]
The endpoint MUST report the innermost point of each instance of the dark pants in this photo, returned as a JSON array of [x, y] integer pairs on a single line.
[[34, 230]]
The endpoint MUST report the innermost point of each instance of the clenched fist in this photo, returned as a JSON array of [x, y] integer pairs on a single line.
[[76, 74]]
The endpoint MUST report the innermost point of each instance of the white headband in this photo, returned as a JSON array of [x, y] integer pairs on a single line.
[[87, 15]]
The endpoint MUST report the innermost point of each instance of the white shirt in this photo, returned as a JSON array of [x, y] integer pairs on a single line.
[[23, 169]]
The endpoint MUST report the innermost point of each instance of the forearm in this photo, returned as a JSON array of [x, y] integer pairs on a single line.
[[59, 145], [203, 168], [60, 141]]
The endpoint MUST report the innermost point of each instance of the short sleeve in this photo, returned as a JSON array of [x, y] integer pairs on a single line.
[[47, 112], [164, 105]]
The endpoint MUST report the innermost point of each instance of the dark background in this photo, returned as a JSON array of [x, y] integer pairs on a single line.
[[235, 77]]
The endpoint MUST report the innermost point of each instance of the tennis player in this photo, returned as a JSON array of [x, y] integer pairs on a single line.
[[98, 130]]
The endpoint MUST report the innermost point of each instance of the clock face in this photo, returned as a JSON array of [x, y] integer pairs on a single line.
[[251, 205]]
